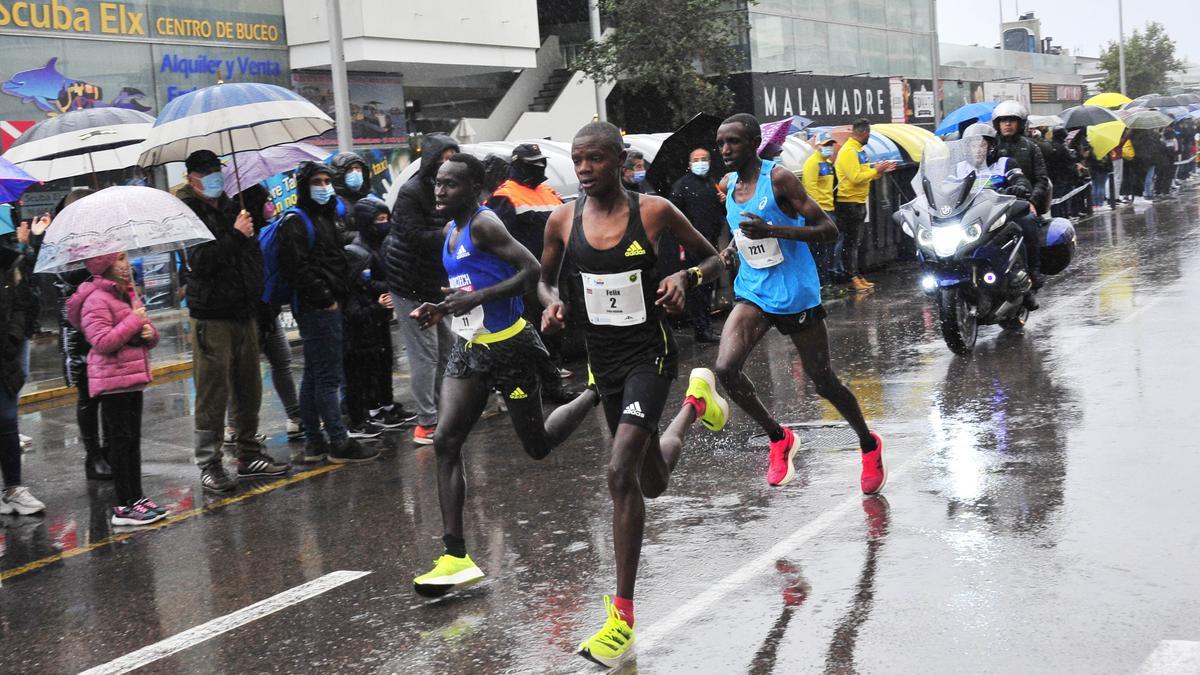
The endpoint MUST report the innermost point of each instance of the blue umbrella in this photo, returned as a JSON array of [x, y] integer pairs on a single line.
[[13, 181], [971, 112]]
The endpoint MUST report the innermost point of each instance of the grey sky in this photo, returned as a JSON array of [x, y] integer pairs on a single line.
[[1083, 26]]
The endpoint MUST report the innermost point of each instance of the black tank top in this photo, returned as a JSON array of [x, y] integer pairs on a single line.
[[613, 351]]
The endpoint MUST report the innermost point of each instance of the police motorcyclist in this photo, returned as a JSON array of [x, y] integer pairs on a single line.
[[1008, 118], [1003, 175]]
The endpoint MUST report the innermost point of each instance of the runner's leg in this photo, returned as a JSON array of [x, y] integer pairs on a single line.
[[629, 512], [539, 435], [743, 330], [463, 401], [813, 345], [662, 453]]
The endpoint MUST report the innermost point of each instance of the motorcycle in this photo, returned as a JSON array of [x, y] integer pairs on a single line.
[[971, 247]]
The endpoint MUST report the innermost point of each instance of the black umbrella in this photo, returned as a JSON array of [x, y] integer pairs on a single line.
[[671, 162], [1154, 101], [80, 142], [1086, 116]]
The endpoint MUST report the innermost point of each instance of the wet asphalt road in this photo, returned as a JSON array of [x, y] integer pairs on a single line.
[[1038, 517]]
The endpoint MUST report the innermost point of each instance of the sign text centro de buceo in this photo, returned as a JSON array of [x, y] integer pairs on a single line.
[[823, 99], [129, 20]]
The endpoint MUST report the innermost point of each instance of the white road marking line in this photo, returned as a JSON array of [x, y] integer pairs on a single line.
[[224, 624], [1172, 657], [699, 604]]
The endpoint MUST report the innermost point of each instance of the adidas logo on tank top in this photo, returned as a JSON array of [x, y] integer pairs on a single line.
[[461, 253], [634, 249]]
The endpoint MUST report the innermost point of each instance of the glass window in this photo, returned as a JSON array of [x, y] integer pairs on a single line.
[[921, 56], [771, 43], [843, 49], [920, 15], [873, 55], [900, 13], [842, 11], [774, 6], [812, 45], [811, 9], [901, 54]]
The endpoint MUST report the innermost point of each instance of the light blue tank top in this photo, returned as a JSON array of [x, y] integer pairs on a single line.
[[790, 287]]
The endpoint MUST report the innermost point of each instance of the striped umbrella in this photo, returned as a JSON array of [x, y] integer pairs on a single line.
[[232, 117], [81, 142]]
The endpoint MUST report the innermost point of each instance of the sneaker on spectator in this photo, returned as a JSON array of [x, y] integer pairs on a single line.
[[213, 477], [365, 430], [295, 429], [137, 515], [20, 501], [260, 464], [349, 451]]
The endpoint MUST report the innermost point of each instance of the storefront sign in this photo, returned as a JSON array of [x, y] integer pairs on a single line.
[[918, 101], [1069, 92], [1006, 91], [821, 98], [896, 90], [165, 21]]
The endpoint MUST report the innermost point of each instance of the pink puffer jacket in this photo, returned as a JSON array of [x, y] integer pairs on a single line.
[[105, 315]]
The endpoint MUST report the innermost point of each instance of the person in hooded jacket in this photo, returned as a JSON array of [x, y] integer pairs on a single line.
[[367, 320], [114, 322], [315, 268], [351, 182], [416, 276], [1009, 119], [15, 497], [1061, 167]]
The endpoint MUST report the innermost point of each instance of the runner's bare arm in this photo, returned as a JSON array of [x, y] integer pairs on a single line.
[[729, 253], [660, 214], [792, 198], [554, 243]]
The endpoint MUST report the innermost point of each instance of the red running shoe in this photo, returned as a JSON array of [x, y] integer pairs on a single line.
[[874, 474], [781, 471]]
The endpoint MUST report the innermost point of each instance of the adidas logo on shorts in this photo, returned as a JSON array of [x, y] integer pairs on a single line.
[[634, 409], [518, 393], [634, 249]]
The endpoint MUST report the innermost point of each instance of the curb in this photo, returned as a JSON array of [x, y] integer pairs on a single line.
[[55, 393]]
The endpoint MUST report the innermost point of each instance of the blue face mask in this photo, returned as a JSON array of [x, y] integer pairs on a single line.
[[700, 168], [639, 176], [322, 194], [354, 179], [213, 185], [826, 151]]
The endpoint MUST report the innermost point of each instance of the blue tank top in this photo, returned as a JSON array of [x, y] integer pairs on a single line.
[[471, 269], [790, 287]]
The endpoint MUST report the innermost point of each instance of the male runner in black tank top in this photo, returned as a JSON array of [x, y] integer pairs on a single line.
[[610, 235]]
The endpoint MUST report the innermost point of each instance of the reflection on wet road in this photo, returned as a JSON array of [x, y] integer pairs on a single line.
[[1037, 519]]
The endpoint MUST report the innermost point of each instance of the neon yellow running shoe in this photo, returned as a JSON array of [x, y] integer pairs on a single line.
[[613, 644], [702, 384], [448, 574]]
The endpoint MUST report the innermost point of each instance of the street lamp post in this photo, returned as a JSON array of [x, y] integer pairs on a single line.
[[594, 20], [337, 68], [1121, 42], [933, 64]]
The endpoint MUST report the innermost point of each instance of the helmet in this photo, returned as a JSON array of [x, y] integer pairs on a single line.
[[980, 129], [1010, 109]]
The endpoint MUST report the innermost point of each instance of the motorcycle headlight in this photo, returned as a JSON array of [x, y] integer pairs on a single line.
[[946, 239], [973, 233], [925, 238]]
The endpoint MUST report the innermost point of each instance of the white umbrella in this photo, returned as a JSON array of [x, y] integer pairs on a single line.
[[126, 218], [81, 142]]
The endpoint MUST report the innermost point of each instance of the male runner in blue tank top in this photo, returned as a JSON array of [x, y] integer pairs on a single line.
[[495, 349], [772, 220], [609, 234]]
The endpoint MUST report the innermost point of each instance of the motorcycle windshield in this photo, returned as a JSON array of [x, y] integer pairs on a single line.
[[949, 174]]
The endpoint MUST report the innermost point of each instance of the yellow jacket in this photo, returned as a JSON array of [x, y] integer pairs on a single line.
[[818, 180], [853, 174]]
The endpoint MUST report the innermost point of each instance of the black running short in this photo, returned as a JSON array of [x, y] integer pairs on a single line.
[[641, 399], [509, 366], [789, 324]]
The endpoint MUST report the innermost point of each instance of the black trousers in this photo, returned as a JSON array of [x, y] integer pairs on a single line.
[[368, 373], [121, 419]]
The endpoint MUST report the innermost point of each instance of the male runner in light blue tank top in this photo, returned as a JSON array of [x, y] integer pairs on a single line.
[[773, 220]]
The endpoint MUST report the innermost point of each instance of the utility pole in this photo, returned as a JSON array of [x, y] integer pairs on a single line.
[[1000, 8], [594, 20], [1121, 42], [341, 85], [934, 57]]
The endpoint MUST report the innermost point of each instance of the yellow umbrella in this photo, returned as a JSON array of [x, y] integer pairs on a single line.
[[1109, 99], [1105, 137], [911, 139]]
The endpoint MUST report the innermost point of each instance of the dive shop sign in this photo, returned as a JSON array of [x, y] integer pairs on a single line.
[[166, 21], [821, 98]]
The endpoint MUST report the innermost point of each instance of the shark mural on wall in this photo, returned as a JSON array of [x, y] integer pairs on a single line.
[[54, 93]]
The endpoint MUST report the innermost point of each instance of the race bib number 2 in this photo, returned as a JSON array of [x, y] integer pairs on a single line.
[[614, 299]]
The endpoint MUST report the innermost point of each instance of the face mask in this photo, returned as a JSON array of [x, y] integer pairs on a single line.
[[354, 180], [700, 168], [826, 151], [322, 194], [639, 176], [213, 185]]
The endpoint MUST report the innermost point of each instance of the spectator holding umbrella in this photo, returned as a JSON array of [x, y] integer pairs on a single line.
[[15, 498]]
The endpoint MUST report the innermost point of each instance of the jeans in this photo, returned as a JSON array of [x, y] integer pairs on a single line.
[[1099, 183], [1148, 184], [225, 368], [321, 334], [121, 417], [850, 219], [10, 442], [427, 352]]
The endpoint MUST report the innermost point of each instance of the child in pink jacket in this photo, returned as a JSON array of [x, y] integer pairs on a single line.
[[113, 320]]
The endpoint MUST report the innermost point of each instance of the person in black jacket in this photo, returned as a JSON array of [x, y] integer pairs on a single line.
[[314, 266], [1009, 121], [224, 288], [416, 276], [695, 194], [367, 320], [1061, 167], [15, 498], [351, 182]]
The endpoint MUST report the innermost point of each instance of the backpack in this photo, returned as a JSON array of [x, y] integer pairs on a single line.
[[276, 290]]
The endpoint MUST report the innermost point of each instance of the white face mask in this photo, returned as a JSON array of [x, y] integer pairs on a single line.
[[700, 168], [826, 151]]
